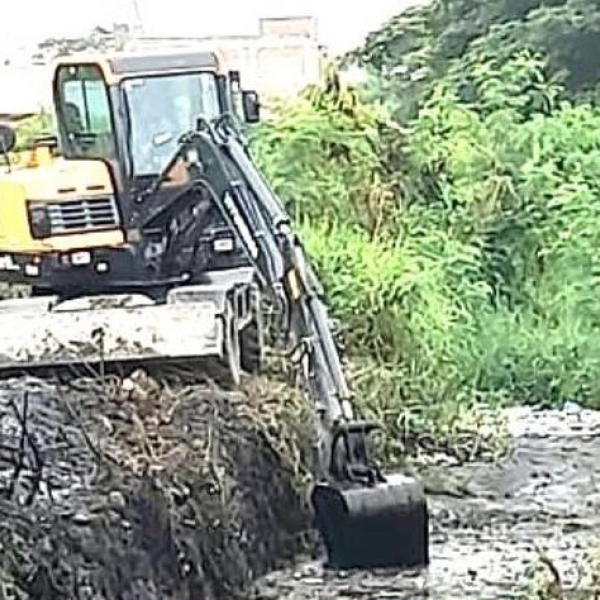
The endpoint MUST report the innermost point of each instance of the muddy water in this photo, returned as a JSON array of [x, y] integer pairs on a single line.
[[489, 521]]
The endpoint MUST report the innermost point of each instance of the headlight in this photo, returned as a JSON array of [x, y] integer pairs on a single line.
[[39, 220]]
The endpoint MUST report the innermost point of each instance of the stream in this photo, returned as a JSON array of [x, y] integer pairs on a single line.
[[543, 497]]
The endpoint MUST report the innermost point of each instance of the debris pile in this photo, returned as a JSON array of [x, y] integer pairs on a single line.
[[131, 490]]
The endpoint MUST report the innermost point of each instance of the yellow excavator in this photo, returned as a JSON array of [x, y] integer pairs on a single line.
[[147, 234]]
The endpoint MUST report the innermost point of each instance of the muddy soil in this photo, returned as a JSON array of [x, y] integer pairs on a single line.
[[490, 523], [131, 492], [187, 493]]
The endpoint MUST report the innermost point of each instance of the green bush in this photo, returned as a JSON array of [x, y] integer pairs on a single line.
[[28, 129], [324, 163], [479, 283], [459, 250]]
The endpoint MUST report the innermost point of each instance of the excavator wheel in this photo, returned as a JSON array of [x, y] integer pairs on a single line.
[[251, 348]]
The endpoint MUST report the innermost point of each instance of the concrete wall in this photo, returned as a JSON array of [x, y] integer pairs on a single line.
[[282, 58]]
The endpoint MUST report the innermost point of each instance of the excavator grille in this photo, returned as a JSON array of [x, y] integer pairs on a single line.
[[87, 214]]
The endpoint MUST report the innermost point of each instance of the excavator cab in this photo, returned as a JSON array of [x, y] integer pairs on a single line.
[[119, 119]]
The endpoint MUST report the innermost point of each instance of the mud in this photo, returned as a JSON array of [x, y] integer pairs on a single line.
[[111, 491], [492, 526], [143, 491]]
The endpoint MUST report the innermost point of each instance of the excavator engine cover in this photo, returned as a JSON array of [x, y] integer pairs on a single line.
[[381, 526]]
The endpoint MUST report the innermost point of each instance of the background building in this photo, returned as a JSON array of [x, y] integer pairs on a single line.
[[282, 57]]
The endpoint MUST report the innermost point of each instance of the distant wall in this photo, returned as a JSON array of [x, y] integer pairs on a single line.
[[282, 58], [279, 60]]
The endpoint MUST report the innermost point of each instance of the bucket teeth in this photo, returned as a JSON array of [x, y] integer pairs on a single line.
[[381, 526]]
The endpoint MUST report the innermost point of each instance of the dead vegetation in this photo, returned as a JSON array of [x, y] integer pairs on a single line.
[[112, 489]]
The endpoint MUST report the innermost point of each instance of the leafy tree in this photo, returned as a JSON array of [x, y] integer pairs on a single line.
[[424, 44]]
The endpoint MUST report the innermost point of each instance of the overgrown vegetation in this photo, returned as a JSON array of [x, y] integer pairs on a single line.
[[451, 208], [453, 212], [28, 129]]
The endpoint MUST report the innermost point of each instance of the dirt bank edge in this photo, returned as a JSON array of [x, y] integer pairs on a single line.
[[157, 493]]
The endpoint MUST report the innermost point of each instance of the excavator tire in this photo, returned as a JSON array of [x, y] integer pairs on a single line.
[[252, 341]]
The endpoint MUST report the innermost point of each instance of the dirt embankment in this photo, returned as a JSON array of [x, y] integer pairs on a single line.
[[177, 493], [147, 493]]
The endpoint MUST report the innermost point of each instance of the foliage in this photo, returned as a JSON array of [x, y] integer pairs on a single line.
[[323, 129], [394, 277], [479, 282], [457, 248], [28, 129], [435, 34], [420, 46], [526, 184]]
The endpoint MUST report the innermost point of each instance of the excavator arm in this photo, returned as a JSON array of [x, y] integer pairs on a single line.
[[365, 518]]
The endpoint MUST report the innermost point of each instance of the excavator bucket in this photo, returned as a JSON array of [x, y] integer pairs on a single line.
[[385, 525]]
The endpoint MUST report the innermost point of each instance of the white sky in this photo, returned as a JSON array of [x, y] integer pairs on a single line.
[[32, 20]]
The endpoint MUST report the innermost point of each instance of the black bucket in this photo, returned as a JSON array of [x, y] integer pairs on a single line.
[[381, 526]]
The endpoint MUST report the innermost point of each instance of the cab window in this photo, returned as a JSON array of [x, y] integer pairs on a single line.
[[160, 109], [84, 113]]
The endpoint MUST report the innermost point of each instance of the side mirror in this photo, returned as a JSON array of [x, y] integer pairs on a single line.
[[251, 106], [8, 139]]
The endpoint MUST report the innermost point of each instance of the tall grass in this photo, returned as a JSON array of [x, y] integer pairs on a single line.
[[479, 284], [459, 250]]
